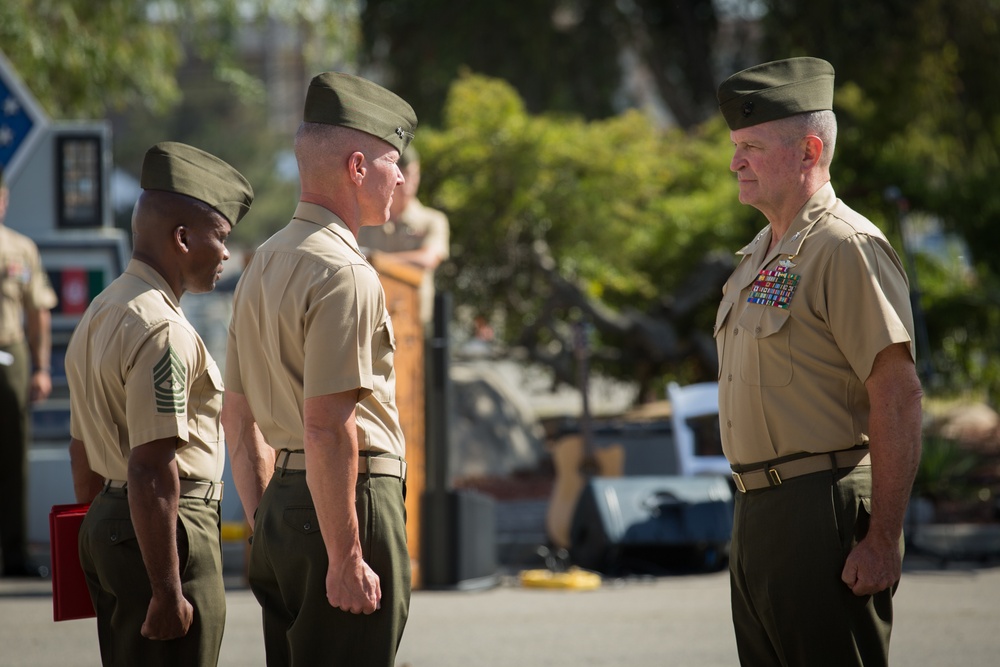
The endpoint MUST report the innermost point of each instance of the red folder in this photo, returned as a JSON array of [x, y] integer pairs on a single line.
[[70, 596]]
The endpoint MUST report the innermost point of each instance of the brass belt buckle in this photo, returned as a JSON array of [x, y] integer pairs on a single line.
[[739, 482], [774, 477]]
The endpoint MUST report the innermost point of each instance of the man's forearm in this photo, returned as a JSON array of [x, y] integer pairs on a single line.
[[153, 496], [39, 327], [894, 465], [331, 450], [894, 433], [331, 474], [331, 444], [251, 458]]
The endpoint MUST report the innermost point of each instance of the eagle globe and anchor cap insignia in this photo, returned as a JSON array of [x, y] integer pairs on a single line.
[[169, 384]]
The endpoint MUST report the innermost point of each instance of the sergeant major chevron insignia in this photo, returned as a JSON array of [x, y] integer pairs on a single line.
[[169, 384]]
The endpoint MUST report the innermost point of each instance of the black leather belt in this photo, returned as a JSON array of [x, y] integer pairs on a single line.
[[773, 475]]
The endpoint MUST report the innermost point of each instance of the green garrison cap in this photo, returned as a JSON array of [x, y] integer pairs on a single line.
[[174, 167], [776, 90], [335, 98]]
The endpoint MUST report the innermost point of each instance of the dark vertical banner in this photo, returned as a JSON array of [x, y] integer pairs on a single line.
[[76, 287]]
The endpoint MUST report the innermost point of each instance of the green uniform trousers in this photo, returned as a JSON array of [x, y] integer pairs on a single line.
[[288, 566], [790, 607], [15, 412], [119, 585]]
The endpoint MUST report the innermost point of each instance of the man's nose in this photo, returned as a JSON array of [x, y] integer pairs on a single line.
[[736, 163]]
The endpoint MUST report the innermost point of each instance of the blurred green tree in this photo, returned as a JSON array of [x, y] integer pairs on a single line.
[[83, 59], [175, 70], [919, 106], [572, 56], [917, 99], [556, 219], [562, 203]]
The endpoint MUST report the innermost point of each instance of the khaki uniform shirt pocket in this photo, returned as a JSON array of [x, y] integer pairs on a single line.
[[767, 355], [720, 332], [208, 420]]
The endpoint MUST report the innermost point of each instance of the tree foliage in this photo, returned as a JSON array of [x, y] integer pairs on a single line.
[[919, 108], [84, 59], [212, 116], [548, 184], [917, 99], [619, 206], [560, 55], [174, 70]]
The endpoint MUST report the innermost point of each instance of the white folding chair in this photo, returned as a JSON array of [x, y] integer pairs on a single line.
[[695, 419]]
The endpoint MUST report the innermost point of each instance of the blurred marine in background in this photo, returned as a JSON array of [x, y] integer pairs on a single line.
[[415, 233], [26, 299]]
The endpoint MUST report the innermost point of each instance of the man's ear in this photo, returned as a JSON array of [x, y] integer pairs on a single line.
[[812, 150], [356, 167], [181, 238]]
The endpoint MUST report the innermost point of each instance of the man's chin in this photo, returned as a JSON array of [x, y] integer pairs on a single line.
[[210, 287]]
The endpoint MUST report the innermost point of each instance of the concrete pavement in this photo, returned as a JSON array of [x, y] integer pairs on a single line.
[[944, 617]]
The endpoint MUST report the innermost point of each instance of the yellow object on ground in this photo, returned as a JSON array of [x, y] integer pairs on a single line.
[[573, 579], [234, 531]]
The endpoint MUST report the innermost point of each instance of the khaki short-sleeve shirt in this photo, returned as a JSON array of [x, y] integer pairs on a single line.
[[138, 371], [23, 284], [309, 319], [798, 330]]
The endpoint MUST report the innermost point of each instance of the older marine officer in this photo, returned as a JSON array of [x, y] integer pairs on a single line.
[[819, 399], [309, 373], [147, 445]]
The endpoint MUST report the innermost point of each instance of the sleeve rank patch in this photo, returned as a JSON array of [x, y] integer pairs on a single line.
[[169, 384]]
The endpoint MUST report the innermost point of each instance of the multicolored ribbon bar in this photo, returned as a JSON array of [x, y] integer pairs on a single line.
[[774, 287]]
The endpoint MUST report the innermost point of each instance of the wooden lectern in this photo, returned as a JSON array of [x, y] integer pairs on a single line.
[[401, 283]]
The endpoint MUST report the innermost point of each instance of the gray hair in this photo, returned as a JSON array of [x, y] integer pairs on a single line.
[[822, 124]]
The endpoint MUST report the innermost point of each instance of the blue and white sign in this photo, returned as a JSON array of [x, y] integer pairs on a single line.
[[22, 120]]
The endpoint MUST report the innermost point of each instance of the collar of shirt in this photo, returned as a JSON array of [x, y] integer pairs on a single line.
[[327, 219], [148, 274], [821, 201]]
